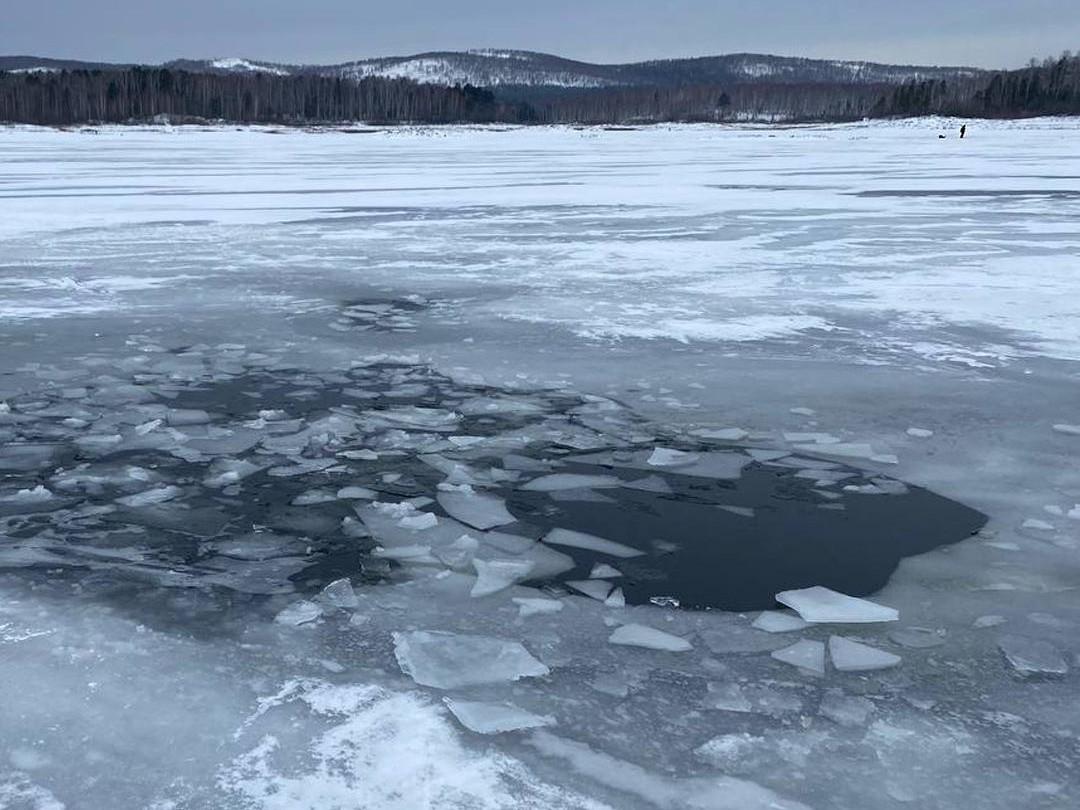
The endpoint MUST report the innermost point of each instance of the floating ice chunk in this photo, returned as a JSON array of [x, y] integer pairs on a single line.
[[453, 660], [917, 638], [849, 450], [494, 718], [418, 521], [1074, 513], [824, 606], [226, 471], [721, 434], [1036, 523], [38, 494], [478, 509], [298, 613], [846, 710], [493, 576], [340, 594], [604, 571], [741, 511], [851, 656], [532, 606], [596, 588], [150, 497], [302, 466], [357, 494], [778, 621], [800, 411], [580, 496], [519, 463], [639, 635], [666, 457], [767, 455], [920, 433], [812, 438], [1070, 430], [650, 483], [728, 750], [804, 654], [727, 697], [178, 417], [413, 554], [360, 455], [561, 481], [983, 622], [1032, 657], [314, 497], [616, 599], [590, 542]]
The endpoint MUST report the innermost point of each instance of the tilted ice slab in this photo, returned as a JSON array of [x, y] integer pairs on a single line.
[[824, 606], [590, 542], [851, 656], [494, 718], [778, 621], [479, 509], [639, 635], [453, 660]]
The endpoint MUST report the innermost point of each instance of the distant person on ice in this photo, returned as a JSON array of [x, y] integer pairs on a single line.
[[963, 131]]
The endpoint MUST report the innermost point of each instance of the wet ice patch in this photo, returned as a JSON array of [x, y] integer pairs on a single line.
[[452, 660]]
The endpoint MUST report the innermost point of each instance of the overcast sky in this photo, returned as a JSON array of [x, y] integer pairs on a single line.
[[986, 33]]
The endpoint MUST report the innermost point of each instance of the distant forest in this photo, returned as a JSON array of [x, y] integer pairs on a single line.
[[146, 94]]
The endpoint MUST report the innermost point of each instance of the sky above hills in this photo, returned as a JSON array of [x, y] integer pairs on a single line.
[[984, 33]]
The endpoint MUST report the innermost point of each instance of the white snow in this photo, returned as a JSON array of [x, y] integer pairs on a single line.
[[824, 606], [640, 635]]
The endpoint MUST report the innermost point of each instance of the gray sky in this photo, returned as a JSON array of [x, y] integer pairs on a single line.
[[987, 33]]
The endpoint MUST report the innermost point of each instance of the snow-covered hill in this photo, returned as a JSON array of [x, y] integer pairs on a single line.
[[527, 69]]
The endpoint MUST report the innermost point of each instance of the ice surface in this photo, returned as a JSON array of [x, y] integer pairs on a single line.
[[778, 621], [851, 656], [846, 710], [804, 654], [478, 509], [639, 635], [573, 539], [562, 481], [1069, 430], [495, 718], [824, 606], [1032, 657], [134, 298], [340, 594], [604, 571], [596, 588], [534, 606], [493, 576], [453, 660], [298, 613]]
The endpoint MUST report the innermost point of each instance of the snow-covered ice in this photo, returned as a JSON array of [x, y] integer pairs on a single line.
[[239, 367]]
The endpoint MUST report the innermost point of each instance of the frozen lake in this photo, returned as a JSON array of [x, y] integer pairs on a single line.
[[488, 385]]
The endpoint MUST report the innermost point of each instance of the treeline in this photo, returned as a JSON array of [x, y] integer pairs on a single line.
[[709, 103], [1052, 88], [143, 94]]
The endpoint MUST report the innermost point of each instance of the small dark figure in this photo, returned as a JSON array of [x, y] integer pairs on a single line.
[[941, 137], [963, 131]]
